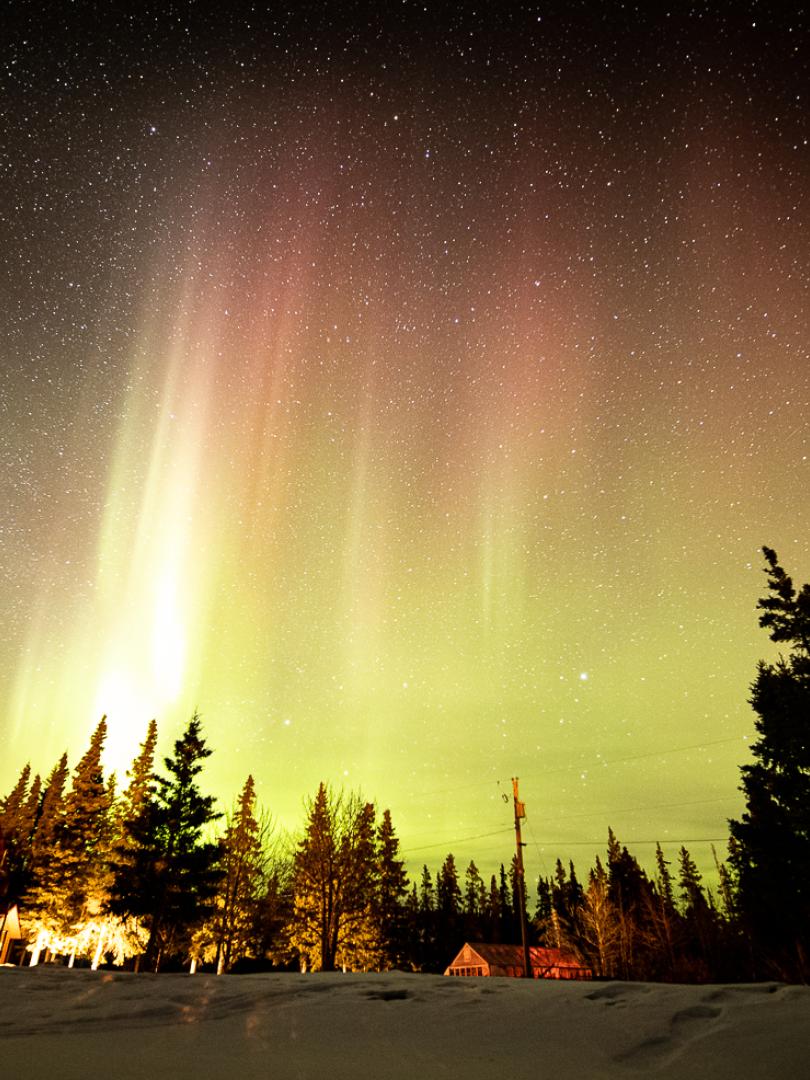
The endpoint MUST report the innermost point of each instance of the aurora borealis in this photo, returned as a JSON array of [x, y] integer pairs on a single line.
[[413, 395]]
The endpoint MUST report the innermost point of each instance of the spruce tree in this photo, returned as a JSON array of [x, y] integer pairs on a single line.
[[392, 893], [84, 827], [664, 919], [49, 816], [68, 899], [244, 863], [518, 898], [507, 931], [169, 872], [449, 925], [16, 827], [80, 870], [42, 906], [427, 922], [475, 903], [699, 922], [141, 786], [13, 804], [542, 922], [770, 856], [630, 895], [567, 899]]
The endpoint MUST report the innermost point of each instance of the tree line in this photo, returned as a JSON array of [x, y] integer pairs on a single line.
[[155, 877]]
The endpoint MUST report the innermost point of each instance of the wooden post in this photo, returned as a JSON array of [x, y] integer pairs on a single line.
[[520, 812]]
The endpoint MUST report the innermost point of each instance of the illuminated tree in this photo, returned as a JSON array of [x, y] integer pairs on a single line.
[[334, 883], [42, 908], [71, 889], [244, 871], [17, 817], [770, 856], [49, 817], [83, 834], [600, 924], [167, 873], [141, 786]]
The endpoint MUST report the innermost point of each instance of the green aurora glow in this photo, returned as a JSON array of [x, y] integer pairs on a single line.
[[421, 430]]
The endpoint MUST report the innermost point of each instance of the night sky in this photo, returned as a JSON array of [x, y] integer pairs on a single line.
[[413, 394]]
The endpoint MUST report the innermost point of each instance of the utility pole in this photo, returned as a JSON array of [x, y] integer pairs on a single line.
[[520, 876]]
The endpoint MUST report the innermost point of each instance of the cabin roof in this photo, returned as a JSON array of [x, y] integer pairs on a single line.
[[512, 955]]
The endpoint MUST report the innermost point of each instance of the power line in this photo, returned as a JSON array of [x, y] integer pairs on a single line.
[[649, 806], [458, 840], [626, 843], [583, 765], [638, 757], [572, 843]]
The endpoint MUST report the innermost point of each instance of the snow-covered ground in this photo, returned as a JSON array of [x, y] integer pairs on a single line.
[[75, 1025]]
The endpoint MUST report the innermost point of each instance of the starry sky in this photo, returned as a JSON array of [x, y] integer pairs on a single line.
[[412, 392]]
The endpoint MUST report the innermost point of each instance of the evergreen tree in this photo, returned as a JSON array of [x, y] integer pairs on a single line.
[[141, 787], [234, 924], [449, 926], [494, 912], [567, 899], [699, 930], [475, 903], [67, 901], [42, 905], [392, 893], [167, 874], [412, 946], [16, 825], [12, 806], [425, 959], [771, 855], [427, 897], [49, 817], [507, 932], [83, 832], [542, 922], [629, 892], [518, 899], [663, 918]]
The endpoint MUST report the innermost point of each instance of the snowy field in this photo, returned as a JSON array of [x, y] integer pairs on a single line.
[[71, 1025]]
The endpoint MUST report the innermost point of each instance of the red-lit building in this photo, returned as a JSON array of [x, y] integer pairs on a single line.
[[480, 959]]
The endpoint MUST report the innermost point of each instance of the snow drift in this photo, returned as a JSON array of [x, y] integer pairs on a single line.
[[72, 1025]]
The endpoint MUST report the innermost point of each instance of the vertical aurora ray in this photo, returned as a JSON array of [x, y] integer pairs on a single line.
[[134, 649]]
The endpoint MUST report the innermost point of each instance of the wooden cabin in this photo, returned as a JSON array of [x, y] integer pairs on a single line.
[[507, 960]]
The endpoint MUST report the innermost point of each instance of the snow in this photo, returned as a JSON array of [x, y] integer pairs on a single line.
[[72, 1025]]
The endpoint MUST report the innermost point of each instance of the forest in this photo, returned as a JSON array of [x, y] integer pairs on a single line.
[[154, 877]]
